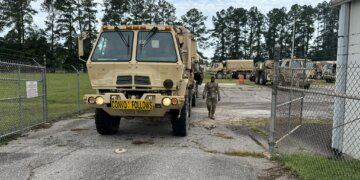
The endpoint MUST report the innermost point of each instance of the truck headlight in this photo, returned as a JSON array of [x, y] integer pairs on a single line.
[[174, 101], [91, 100], [166, 101], [99, 100]]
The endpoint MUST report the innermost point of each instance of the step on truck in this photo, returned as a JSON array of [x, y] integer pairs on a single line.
[[141, 71]]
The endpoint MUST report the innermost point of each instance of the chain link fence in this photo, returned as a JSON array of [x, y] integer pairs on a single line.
[[22, 96], [318, 124], [29, 96]]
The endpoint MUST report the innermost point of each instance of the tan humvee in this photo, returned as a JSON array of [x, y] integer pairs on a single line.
[[291, 73], [142, 71], [329, 72]]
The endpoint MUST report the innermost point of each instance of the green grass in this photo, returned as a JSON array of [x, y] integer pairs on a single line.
[[316, 82], [244, 154], [61, 95], [318, 167]]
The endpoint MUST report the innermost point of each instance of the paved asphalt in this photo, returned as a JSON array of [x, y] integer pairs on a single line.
[[72, 149]]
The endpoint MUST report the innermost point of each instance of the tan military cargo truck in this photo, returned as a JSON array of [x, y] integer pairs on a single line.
[[329, 72], [142, 71], [291, 73], [319, 67], [232, 68]]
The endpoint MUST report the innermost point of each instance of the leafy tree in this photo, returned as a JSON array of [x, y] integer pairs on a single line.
[[17, 14], [87, 20], [49, 7], [165, 13], [116, 12], [256, 25], [276, 31], [137, 12], [325, 45], [194, 20]]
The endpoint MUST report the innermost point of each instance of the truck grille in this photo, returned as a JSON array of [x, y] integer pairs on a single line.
[[121, 80], [142, 80]]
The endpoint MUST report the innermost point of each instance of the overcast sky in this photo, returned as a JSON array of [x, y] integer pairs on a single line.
[[208, 7]]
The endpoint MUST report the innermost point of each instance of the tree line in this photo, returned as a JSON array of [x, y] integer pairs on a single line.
[[240, 33], [237, 33]]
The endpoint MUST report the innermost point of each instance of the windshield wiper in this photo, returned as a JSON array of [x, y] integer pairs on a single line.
[[122, 37], [148, 37]]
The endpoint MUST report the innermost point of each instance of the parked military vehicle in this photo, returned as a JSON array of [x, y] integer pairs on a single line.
[[142, 71], [232, 68], [287, 76], [318, 67], [329, 72]]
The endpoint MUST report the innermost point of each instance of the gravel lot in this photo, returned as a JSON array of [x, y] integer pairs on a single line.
[[72, 149]]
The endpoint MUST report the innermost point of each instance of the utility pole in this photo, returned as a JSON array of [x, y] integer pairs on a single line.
[[293, 40]]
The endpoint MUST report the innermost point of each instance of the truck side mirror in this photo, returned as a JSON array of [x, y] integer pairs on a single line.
[[81, 39]]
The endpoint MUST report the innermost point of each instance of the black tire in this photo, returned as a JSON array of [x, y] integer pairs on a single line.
[[281, 81], [106, 124], [257, 78], [318, 76], [262, 79], [180, 126], [219, 75]]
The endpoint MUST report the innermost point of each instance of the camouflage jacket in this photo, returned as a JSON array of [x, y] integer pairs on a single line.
[[211, 90]]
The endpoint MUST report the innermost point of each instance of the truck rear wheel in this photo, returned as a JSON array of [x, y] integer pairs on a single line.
[[262, 79], [106, 124], [180, 125], [257, 78], [193, 100], [219, 75]]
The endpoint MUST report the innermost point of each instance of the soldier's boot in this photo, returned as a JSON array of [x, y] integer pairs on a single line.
[[209, 115]]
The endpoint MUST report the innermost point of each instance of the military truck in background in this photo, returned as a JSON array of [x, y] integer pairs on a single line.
[[319, 68], [142, 71], [263, 72], [329, 72], [232, 68]]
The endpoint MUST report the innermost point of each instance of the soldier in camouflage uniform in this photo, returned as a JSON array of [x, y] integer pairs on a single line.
[[212, 93]]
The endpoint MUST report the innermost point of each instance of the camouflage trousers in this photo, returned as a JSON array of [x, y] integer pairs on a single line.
[[211, 106]]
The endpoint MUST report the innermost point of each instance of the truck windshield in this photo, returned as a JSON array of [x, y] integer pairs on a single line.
[[296, 64], [159, 48], [114, 46]]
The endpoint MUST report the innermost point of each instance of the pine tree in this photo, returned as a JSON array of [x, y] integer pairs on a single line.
[[165, 13], [88, 18], [17, 14], [194, 20], [49, 7], [116, 12]]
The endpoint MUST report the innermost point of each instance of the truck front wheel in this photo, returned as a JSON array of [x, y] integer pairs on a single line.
[[180, 125], [106, 124]]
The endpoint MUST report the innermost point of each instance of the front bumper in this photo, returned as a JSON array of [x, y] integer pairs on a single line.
[[159, 109]]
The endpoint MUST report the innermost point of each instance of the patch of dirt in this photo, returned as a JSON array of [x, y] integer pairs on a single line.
[[277, 172], [139, 142]]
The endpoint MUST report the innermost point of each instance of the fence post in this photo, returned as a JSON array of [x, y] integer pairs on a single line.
[[274, 97], [303, 93], [78, 88], [44, 91], [20, 98]]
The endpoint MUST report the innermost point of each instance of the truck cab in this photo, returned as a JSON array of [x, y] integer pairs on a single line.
[[141, 71]]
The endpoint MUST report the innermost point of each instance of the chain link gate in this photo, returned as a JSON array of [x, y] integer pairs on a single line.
[[320, 122], [23, 96]]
